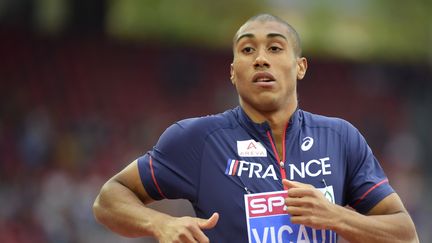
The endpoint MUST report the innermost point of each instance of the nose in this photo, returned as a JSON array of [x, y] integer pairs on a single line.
[[261, 61]]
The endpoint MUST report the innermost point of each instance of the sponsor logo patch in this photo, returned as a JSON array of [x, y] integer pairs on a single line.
[[251, 148]]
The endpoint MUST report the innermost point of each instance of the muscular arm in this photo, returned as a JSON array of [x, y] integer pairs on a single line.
[[120, 206], [388, 221]]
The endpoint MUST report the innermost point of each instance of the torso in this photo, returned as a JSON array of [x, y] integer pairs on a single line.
[[227, 169]]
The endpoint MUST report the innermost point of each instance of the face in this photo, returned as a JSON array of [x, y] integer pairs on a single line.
[[265, 68]]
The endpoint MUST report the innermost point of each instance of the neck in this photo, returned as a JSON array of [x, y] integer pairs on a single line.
[[277, 119]]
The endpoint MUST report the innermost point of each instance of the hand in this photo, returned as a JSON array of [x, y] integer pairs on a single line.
[[308, 206], [186, 229]]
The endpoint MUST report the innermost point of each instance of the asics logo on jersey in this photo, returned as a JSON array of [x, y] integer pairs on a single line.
[[307, 143], [250, 169], [251, 148]]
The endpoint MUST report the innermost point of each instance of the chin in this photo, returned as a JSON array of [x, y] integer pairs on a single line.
[[262, 104], [267, 106]]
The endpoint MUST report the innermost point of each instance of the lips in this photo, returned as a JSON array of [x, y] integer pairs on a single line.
[[263, 77]]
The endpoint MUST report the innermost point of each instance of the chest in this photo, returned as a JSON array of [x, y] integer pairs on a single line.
[[235, 163]]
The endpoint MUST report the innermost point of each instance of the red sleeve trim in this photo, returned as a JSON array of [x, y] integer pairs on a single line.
[[368, 191], [154, 178]]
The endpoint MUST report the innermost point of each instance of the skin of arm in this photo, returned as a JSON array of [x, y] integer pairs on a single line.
[[120, 206], [388, 221]]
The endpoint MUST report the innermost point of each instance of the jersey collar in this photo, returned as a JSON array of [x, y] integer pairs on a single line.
[[262, 128]]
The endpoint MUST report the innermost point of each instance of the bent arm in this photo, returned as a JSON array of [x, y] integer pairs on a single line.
[[388, 221], [120, 205]]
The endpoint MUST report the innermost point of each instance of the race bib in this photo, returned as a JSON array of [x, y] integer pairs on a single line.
[[268, 222]]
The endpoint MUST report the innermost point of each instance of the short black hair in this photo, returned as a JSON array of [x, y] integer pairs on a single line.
[[264, 17]]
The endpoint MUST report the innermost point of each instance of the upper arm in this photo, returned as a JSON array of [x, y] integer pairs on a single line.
[[389, 205], [129, 177], [172, 168], [403, 225]]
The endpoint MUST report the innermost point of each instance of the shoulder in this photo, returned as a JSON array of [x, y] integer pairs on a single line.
[[338, 125], [348, 134], [201, 127]]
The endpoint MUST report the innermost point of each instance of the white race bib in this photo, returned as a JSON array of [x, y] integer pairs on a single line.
[[268, 222]]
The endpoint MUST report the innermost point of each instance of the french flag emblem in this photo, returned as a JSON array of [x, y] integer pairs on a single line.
[[232, 167]]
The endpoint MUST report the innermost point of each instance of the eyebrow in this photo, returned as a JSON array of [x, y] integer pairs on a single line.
[[269, 35]]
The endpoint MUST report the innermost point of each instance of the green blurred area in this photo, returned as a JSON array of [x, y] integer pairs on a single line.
[[202, 23], [384, 29], [361, 30]]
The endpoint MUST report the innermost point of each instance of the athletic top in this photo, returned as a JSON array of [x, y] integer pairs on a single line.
[[213, 161]]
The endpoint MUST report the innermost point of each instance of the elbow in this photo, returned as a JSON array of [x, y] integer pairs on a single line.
[[104, 211], [101, 207], [411, 231], [414, 235], [98, 211]]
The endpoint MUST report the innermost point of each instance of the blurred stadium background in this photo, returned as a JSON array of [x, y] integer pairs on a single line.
[[87, 86]]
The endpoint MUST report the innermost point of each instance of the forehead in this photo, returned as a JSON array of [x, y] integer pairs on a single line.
[[266, 28]]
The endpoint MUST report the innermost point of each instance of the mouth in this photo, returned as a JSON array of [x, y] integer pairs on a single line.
[[263, 77]]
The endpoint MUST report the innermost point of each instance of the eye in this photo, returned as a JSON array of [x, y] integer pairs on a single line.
[[275, 49], [247, 50]]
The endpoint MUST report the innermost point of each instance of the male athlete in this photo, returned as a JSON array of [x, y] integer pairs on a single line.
[[265, 171]]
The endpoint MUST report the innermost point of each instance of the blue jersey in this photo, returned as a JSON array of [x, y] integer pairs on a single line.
[[214, 161]]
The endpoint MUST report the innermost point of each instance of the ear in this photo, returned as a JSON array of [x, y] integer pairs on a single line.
[[301, 67], [232, 74]]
